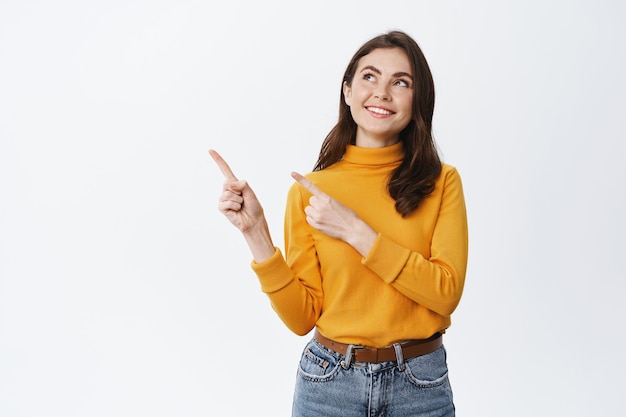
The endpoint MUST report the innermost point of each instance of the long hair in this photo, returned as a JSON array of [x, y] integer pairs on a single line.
[[415, 178]]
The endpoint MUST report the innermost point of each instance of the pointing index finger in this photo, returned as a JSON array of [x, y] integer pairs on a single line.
[[307, 184], [222, 165]]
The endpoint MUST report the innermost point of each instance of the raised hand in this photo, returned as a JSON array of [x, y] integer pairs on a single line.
[[237, 202], [241, 206], [329, 216]]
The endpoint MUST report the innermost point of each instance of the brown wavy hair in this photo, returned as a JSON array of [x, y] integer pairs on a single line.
[[415, 178]]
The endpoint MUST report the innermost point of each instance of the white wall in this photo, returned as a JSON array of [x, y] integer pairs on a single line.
[[123, 292]]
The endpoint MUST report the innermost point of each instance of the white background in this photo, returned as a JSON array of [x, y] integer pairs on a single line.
[[124, 292]]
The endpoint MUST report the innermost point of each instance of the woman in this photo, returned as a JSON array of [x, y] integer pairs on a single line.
[[375, 246]]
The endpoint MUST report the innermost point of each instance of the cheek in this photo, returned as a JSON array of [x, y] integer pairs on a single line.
[[407, 104]]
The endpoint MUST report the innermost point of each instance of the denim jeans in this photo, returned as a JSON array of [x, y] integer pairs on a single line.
[[331, 384]]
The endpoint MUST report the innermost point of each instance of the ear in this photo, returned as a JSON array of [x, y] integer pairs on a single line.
[[347, 93]]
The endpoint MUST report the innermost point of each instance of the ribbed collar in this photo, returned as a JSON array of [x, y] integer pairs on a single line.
[[374, 156]]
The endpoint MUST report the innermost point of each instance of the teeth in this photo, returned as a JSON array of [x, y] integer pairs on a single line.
[[378, 110]]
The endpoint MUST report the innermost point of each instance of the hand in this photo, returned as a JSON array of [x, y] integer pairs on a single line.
[[329, 216], [238, 202]]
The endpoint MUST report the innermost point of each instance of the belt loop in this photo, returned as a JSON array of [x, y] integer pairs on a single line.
[[399, 356], [348, 359]]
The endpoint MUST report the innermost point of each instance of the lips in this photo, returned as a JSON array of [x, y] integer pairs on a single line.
[[380, 110]]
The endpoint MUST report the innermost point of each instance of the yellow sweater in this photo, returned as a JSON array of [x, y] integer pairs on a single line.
[[409, 283]]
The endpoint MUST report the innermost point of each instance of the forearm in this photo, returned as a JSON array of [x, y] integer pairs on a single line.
[[436, 283], [297, 301], [259, 241], [361, 237]]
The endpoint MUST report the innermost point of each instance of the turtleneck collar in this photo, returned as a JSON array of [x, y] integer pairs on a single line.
[[374, 156]]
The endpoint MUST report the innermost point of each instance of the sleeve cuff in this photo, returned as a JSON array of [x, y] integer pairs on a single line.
[[386, 258], [274, 274]]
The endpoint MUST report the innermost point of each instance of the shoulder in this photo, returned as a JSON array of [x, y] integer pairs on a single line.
[[449, 179], [449, 182], [448, 172], [447, 168]]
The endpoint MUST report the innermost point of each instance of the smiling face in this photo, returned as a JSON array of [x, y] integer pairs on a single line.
[[381, 97]]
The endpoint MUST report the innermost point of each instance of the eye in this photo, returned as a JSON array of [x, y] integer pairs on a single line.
[[368, 76], [402, 83]]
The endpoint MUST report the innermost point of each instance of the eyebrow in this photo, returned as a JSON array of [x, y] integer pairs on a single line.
[[377, 71]]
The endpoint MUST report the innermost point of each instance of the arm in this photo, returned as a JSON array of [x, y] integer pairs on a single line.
[[296, 303], [294, 285], [437, 281]]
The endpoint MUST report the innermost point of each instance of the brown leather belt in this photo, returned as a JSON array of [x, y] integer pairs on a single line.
[[410, 349]]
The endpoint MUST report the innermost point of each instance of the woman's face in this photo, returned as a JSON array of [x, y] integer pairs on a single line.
[[381, 97]]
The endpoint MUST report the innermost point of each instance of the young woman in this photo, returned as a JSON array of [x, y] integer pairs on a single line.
[[375, 246]]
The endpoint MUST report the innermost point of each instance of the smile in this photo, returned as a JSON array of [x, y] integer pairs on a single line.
[[378, 110]]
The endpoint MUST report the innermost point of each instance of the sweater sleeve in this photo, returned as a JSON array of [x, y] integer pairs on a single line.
[[293, 282], [435, 282]]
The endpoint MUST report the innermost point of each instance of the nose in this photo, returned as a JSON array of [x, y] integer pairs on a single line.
[[382, 94]]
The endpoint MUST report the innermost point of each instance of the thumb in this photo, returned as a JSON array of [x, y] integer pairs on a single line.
[[244, 188]]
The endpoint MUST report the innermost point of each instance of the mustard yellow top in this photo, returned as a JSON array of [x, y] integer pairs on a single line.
[[409, 283]]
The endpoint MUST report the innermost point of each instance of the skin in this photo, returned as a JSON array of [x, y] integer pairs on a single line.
[[381, 97], [380, 100]]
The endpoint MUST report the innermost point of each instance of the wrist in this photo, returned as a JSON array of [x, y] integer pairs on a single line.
[[259, 241], [363, 238]]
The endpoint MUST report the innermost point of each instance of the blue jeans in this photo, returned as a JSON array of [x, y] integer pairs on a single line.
[[331, 384]]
